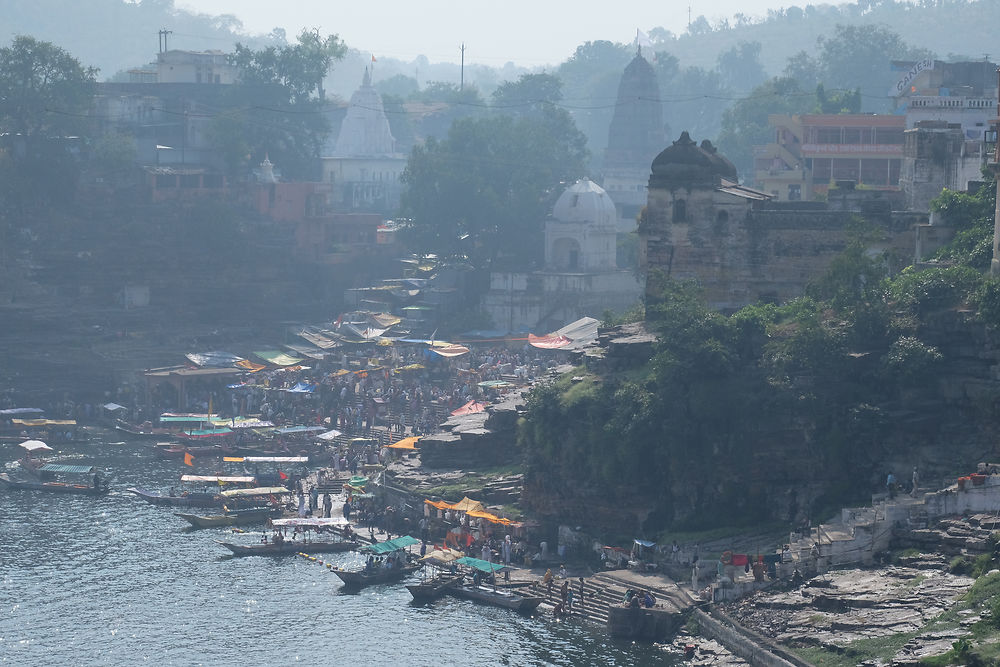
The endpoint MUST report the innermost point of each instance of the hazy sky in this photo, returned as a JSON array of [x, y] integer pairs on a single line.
[[529, 33]]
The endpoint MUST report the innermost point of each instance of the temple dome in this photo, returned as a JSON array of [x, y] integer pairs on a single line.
[[686, 162], [365, 130], [585, 201]]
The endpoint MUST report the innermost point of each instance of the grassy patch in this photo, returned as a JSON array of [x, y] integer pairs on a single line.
[[876, 648]]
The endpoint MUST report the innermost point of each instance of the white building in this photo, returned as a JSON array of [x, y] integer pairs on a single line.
[[195, 67], [363, 165], [580, 277]]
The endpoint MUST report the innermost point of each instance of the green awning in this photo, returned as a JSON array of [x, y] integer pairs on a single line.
[[357, 481], [391, 545], [66, 470], [479, 564]]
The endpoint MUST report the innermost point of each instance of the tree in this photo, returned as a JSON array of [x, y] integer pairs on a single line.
[[484, 191], [744, 125], [531, 91], [859, 56], [45, 94], [299, 68], [43, 89], [740, 67], [276, 109]]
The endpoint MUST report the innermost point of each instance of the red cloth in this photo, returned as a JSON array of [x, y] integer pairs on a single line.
[[739, 560]]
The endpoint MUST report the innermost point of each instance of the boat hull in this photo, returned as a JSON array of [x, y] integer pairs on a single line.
[[186, 500], [52, 487], [215, 520], [360, 578], [289, 548], [434, 588], [500, 598]]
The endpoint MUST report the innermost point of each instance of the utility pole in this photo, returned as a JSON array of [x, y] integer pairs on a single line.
[[689, 16], [163, 39], [461, 85]]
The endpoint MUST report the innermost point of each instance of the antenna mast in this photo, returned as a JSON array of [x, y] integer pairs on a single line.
[[462, 84]]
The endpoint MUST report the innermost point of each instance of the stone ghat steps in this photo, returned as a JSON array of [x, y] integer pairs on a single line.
[[601, 592]]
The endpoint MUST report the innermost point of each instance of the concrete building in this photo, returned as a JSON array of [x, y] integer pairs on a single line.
[[363, 166], [740, 244], [960, 93], [812, 151], [580, 277], [937, 155], [193, 67], [635, 136]]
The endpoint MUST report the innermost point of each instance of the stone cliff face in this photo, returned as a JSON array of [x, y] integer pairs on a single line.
[[800, 467]]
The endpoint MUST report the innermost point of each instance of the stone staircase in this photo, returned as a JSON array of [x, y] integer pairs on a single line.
[[605, 590]]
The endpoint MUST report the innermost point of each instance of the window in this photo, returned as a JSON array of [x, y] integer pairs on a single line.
[[680, 210]]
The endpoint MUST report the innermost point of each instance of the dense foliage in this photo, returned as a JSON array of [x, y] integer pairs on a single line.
[[484, 191], [826, 372]]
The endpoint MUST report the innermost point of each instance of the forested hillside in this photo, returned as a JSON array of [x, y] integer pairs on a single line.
[[783, 413]]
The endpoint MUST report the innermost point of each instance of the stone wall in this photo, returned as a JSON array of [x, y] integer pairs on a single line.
[[742, 642]]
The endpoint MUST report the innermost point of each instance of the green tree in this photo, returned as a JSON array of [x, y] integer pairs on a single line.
[[531, 91], [484, 191], [276, 108], [744, 125], [43, 89], [299, 68], [858, 56], [740, 67]]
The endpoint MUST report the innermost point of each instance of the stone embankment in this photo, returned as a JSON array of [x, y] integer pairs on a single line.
[[836, 609]]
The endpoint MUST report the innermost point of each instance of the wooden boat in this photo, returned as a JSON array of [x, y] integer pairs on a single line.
[[244, 517], [435, 587], [54, 486], [186, 499], [170, 450], [145, 431], [289, 547], [378, 575], [506, 598]]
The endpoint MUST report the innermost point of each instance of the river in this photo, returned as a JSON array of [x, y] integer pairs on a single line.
[[116, 581]]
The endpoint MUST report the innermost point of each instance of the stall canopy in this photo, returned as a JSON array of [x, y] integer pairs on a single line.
[[645, 543], [495, 384], [214, 359], [442, 556], [8, 412], [313, 522], [466, 504], [219, 479], [302, 388], [113, 407], [469, 408], [492, 518], [277, 357], [246, 364], [406, 443], [300, 429], [390, 545], [550, 342], [272, 459], [450, 350], [479, 564], [35, 446], [329, 435], [439, 504], [256, 491], [43, 422]]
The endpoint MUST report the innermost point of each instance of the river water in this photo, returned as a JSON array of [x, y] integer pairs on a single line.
[[117, 581]]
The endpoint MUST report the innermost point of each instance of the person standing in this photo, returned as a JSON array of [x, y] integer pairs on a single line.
[[890, 485], [916, 482], [327, 505]]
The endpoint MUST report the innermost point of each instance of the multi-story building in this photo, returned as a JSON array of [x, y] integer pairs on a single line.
[[962, 93], [812, 151]]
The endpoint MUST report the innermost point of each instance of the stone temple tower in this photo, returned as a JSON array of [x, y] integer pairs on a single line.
[[635, 137]]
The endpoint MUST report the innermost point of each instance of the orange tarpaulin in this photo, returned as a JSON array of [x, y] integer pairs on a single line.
[[469, 408], [406, 443], [466, 504], [493, 518], [439, 504], [250, 366], [550, 342]]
